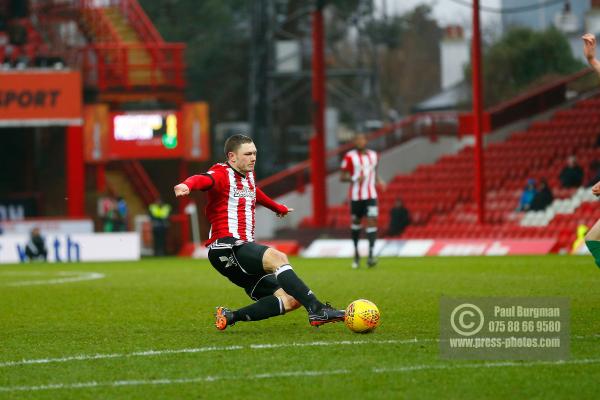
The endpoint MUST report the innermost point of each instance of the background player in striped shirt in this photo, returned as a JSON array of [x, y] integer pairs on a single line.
[[359, 167], [263, 272]]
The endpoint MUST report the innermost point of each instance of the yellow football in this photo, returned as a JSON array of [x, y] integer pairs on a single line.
[[362, 316]]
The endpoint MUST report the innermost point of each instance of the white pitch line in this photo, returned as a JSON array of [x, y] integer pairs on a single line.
[[211, 378], [410, 368], [342, 342], [593, 336], [147, 353], [139, 382], [79, 276]]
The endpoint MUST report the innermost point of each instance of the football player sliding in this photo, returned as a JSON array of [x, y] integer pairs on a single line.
[[263, 272]]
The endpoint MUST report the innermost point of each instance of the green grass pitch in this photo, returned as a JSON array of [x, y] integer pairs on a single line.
[[145, 331]]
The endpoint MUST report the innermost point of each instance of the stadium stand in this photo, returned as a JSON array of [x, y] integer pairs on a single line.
[[114, 44], [440, 196], [21, 45], [118, 62]]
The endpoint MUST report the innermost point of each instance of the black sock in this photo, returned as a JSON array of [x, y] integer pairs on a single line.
[[372, 236], [355, 237], [294, 286], [264, 308]]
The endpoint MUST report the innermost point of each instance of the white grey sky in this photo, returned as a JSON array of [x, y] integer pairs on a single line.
[[445, 11]]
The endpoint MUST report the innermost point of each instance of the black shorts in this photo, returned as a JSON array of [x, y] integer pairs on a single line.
[[241, 263], [364, 208]]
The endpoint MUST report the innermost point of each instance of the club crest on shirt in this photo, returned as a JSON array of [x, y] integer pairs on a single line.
[[245, 192]]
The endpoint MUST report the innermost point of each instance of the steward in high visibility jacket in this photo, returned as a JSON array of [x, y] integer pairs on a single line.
[[159, 214]]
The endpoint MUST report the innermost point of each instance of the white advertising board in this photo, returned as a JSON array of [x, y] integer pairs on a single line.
[[74, 248]]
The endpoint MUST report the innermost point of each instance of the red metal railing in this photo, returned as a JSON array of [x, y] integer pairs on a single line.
[[109, 63], [138, 19], [113, 65], [109, 66], [428, 125], [102, 28], [532, 102], [140, 180], [132, 11], [537, 100]]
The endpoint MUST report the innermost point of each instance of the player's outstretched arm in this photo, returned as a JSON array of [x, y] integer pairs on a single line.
[[264, 200], [195, 182], [589, 50]]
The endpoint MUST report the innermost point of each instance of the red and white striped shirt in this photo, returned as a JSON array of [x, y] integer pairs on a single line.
[[361, 165], [232, 199]]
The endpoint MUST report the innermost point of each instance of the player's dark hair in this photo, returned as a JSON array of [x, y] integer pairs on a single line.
[[234, 142]]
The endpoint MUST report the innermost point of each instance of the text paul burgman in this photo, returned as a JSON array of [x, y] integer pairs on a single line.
[[527, 312]]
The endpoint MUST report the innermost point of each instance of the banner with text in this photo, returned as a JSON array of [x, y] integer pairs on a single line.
[[74, 248], [430, 247], [32, 98]]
